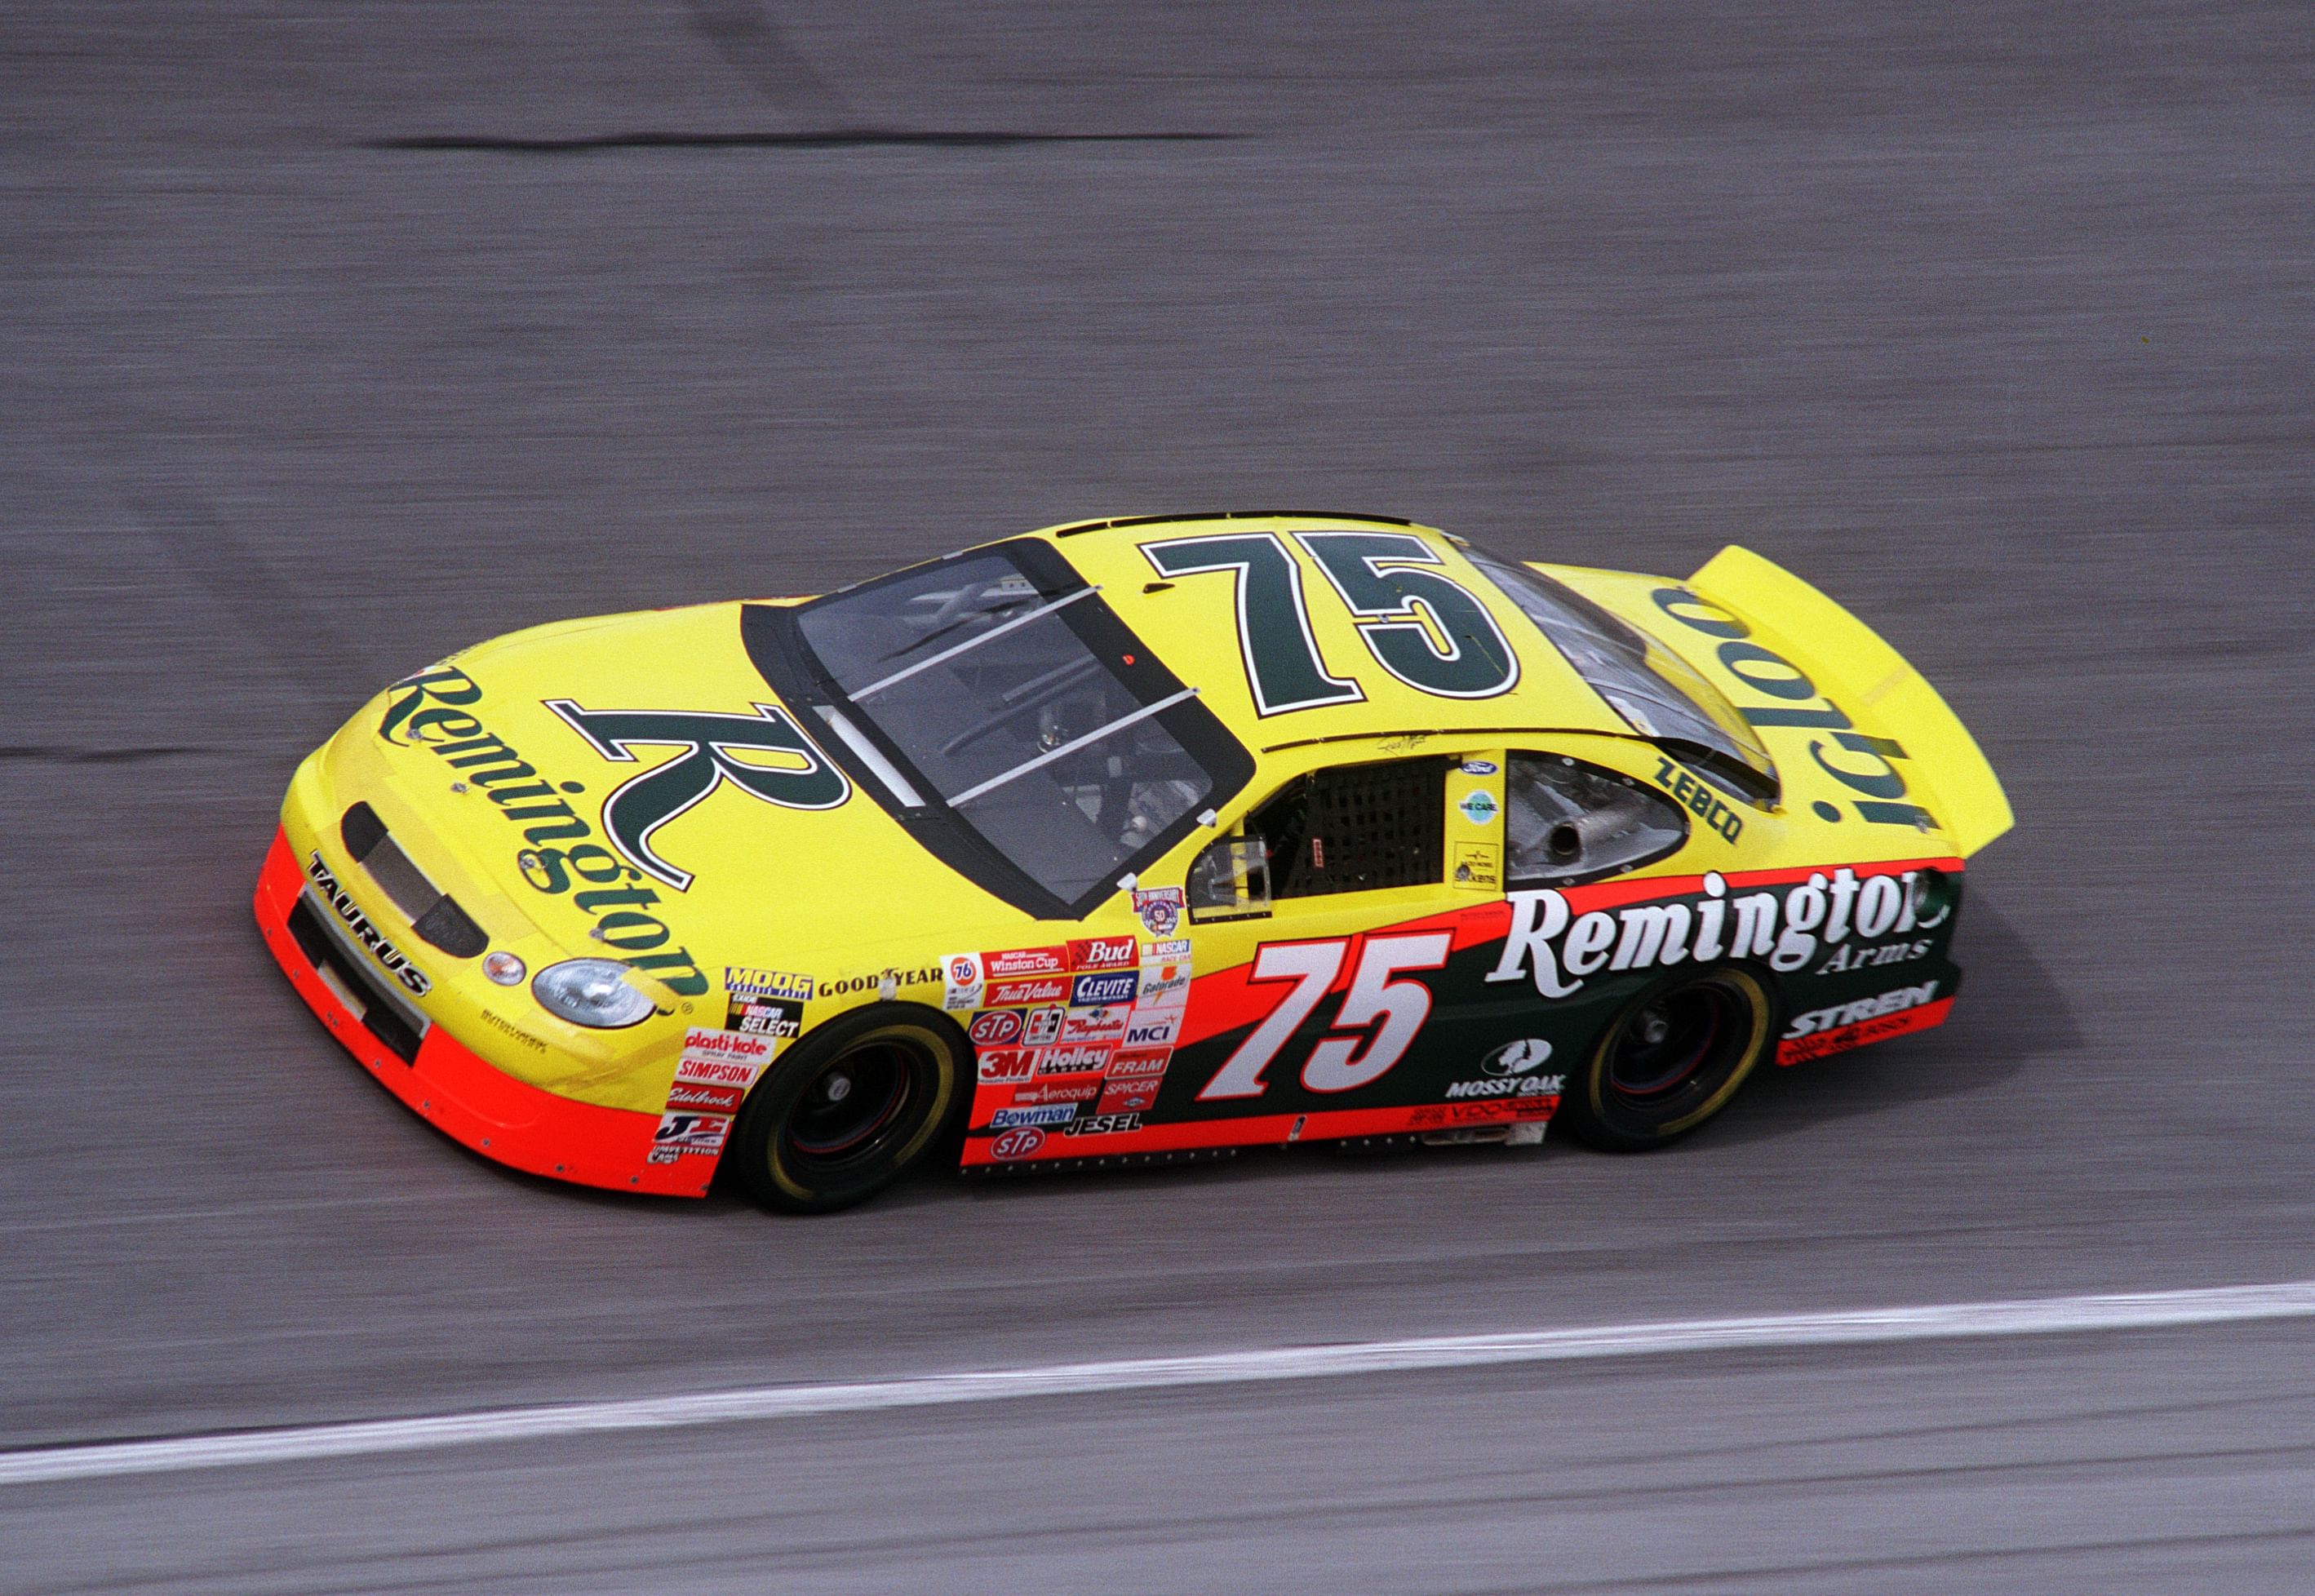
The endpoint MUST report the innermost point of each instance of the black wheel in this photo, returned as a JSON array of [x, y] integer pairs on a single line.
[[848, 1108], [1670, 1062]]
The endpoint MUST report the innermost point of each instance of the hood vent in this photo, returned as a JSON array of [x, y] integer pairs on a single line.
[[433, 913]]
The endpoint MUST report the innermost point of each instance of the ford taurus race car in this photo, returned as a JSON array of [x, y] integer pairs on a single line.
[[1128, 841]]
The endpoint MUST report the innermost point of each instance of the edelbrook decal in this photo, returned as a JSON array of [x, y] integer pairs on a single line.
[[431, 712], [1559, 949], [644, 804], [372, 939]]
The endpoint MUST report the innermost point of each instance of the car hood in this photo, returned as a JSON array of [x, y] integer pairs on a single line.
[[629, 785]]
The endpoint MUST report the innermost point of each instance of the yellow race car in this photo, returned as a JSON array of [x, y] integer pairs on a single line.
[[1127, 842]]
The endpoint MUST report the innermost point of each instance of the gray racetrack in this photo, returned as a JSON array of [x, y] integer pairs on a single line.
[[334, 339]]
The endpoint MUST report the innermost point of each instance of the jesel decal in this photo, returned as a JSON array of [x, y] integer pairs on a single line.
[[1559, 949]]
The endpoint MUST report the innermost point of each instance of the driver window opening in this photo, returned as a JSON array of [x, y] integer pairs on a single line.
[[1351, 829]]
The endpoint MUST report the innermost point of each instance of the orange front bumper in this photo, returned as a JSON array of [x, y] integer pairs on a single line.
[[463, 1096]]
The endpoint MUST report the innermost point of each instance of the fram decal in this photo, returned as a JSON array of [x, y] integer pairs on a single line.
[[711, 742]]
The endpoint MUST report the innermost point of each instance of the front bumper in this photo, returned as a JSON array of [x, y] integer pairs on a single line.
[[446, 1084]]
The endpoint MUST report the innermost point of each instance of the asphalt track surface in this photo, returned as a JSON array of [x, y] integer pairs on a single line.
[[332, 341]]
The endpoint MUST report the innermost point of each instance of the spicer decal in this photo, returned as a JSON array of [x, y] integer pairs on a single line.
[[1558, 949], [373, 941]]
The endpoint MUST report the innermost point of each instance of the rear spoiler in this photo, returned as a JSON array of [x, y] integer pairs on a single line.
[[1872, 678]]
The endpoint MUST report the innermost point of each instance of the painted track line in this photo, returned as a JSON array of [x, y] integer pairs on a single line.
[[2055, 1316]]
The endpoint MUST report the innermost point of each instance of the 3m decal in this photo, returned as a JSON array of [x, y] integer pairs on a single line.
[[1558, 949], [712, 744], [373, 941], [1128, 1096], [1874, 773], [998, 1065], [1391, 1012]]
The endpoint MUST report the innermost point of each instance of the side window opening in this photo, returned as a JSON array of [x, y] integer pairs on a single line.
[[1567, 822], [1352, 828]]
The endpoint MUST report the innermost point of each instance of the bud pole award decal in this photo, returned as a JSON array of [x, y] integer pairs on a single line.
[[645, 803]]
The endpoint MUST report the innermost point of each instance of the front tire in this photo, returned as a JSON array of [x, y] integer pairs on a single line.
[[850, 1108], [1673, 1058]]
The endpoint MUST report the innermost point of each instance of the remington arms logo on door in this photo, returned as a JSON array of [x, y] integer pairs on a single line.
[[710, 744]]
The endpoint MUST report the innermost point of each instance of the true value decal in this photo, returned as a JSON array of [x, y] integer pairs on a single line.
[[1559, 949], [710, 743]]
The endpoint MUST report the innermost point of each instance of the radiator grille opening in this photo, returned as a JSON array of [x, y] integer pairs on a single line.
[[381, 1013], [433, 914]]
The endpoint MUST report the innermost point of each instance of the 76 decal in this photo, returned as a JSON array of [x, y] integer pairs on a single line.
[[1386, 1011]]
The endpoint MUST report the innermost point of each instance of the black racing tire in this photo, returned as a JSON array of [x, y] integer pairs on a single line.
[[850, 1107], [1671, 1060]]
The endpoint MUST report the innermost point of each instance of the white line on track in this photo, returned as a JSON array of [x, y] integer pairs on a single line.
[[2053, 1316]]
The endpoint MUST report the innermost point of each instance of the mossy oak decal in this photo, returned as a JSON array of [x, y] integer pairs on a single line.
[[710, 741]]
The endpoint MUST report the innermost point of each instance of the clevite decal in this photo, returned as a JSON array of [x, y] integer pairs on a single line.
[[642, 804]]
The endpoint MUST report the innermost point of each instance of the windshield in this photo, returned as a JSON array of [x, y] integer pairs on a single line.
[[1016, 701], [1659, 695]]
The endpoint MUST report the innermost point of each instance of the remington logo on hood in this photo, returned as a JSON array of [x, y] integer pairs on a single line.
[[433, 710]]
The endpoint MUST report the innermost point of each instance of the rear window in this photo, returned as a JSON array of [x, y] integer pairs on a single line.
[[1001, 690]]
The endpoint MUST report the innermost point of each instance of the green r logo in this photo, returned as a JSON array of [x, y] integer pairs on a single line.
[[645, 803]]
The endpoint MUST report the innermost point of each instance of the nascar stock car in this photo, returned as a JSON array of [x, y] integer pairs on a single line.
[[1127, 842]]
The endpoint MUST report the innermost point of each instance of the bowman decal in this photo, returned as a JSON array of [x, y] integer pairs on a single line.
[[710, 741]]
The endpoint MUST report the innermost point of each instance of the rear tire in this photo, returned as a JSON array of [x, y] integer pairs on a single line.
[[1671, 1060], [850, 1108]]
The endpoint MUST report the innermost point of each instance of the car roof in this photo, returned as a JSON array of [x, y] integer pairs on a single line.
[[1192, 622]]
